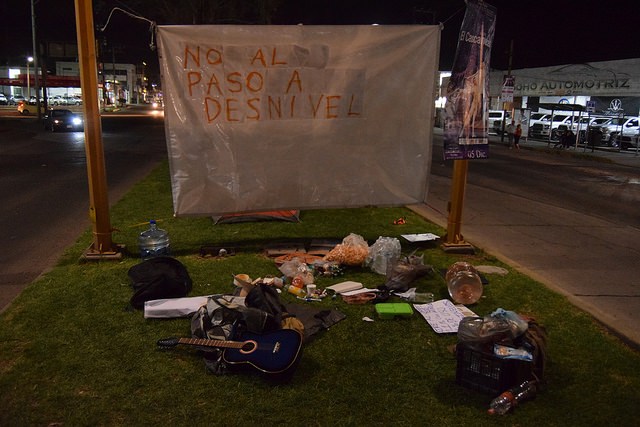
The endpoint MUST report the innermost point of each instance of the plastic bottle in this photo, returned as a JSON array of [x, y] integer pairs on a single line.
[[153, 241], [512, 397], [299, 292], [422, 297], [465, 287], [457, 267]]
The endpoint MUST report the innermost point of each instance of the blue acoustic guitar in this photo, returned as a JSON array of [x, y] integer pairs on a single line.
[[272, 353]]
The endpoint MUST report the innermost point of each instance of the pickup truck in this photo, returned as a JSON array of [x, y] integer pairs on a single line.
[[626, 142], [618, 126], [553, 128]]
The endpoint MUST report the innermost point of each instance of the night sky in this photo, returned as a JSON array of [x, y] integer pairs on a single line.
[[544, 32]]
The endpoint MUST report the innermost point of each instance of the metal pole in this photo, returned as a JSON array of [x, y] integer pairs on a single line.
[[637, 137], [102, 246], [36, 53], [29, 59], [454, 240]]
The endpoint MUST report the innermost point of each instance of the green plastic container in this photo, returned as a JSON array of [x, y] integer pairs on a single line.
[[388, 310]]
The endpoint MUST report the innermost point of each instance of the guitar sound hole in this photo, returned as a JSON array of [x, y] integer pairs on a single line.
[[248, 347]]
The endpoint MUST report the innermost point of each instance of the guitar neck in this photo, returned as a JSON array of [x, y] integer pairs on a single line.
[[211, 343]]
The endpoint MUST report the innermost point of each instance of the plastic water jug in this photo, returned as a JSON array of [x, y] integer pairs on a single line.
[[465, 287], [153, 241]]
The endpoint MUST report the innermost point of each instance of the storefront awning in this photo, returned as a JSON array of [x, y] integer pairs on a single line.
[[562, 107]]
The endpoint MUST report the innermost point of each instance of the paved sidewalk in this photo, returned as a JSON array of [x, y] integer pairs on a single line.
[[540, 240]]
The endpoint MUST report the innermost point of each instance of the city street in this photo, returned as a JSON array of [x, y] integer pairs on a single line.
[[44, 189]]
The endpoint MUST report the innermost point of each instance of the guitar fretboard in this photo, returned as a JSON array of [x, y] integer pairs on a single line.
[[211, 343]]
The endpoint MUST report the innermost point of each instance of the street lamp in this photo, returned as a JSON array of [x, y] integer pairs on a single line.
[[29, 61]]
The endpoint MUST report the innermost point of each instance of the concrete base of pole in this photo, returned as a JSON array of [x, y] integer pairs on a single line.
[[91, 254]]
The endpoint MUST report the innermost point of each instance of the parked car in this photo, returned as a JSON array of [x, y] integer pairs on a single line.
[[71, 100], [585, 125], [15, 99], [626, 142], [57, 100], [535, 119], [553, 127], [25, 109], [3, 99], [60, 119], [76, 100], [619, 126], [494, 123]]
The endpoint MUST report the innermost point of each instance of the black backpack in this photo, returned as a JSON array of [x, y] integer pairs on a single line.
[[158, 278]]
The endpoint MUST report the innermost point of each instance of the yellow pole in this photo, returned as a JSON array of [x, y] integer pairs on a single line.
[[454, 240], [102, 245]]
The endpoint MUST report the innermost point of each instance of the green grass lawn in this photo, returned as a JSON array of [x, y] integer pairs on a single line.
[[72, 354]]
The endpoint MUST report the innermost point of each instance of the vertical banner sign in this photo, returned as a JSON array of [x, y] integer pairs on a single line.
[[465, 132], [262, 117]]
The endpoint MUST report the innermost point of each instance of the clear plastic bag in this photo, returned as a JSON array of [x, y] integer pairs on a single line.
[[517, 324], [477, 331], [352, 251], [501, 326], [384, 252], [404, 271], [297, 268]]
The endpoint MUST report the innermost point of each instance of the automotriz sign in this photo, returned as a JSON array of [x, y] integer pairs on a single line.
[[610, 78]]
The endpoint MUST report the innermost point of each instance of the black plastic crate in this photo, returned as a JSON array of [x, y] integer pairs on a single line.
[[484, 372]]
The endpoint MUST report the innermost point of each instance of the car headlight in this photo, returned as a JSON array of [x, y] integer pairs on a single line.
[[56, 121], [76, 121]]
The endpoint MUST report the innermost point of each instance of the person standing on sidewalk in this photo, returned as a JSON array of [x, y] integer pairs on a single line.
[[510, 129], [517, 133]]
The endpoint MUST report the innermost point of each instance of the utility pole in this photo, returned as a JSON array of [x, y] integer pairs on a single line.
[[36, 53], [504, 106], [102, 246]]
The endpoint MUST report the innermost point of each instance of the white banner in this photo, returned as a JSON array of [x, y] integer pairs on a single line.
[[297, 117]]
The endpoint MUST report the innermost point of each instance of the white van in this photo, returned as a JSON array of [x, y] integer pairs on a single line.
[[494, 122]]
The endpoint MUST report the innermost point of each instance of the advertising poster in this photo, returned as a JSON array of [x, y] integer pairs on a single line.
[[465, 130]]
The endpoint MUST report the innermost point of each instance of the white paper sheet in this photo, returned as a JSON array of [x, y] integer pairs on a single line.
[[422, 237], [443, 316]]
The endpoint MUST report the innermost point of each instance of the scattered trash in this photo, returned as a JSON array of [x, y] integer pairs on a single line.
[[404, 271], [418, 297], [353, 251], [347, 286], [491, 269], [513, 397], [153, 241], [360, 298], [421, 237], [464, 283], [383, 254], [389, 310], [217, 251]]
